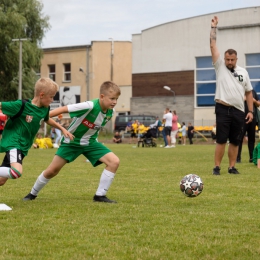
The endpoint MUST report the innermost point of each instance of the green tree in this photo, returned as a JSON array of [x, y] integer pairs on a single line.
[[20, 19]]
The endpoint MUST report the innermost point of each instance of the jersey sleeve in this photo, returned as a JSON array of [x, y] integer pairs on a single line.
[[79, 109], [11, 108]]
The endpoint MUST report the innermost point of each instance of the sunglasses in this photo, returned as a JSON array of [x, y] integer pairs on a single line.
[[234, 73]]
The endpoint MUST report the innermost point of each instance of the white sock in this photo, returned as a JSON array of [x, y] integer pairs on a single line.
[[5, 172], [106, 180], [39, 184]]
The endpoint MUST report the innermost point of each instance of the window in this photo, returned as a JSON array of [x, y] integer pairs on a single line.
[[67, 72], [253, 69], [205, 82], [52, 72]]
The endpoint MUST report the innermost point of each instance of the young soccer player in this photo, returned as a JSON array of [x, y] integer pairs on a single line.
[[88, 118], [23, 124]]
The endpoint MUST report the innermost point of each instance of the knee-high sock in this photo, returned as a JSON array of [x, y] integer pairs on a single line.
[[39, 184], [5, 172], [106, 180]]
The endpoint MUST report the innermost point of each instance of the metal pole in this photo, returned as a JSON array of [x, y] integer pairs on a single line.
[[20, 65], [87, 74], [20, 70]]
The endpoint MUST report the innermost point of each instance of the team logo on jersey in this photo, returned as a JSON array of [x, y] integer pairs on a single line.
[[107, 118], [29, 119], [88, 124]]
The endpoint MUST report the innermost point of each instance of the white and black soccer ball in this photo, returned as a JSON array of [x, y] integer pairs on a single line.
[[191, 185]]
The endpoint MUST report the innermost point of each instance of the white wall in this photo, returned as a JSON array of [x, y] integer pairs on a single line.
[[174, 46]]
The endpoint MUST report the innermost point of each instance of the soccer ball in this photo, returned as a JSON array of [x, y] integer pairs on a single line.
[[191, 185]]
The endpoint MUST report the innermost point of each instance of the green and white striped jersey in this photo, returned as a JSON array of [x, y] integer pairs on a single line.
[[88, 118]]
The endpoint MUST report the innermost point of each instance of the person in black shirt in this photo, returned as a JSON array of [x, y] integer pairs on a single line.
[[250, 130]]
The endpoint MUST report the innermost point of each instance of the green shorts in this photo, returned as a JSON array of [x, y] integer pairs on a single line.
[[93, 152]]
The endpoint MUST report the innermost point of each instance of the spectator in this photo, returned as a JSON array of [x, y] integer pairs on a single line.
[[134, 131], [40, 142], [175, 128], [3, 119], [250, 130], [183, 133], [190, 132], [48, 141], [117, 138], [129, 126], [168, 126], [157, 124], [232, 83], [140, 130]]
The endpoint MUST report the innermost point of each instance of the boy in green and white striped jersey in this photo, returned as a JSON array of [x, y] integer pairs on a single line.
[[88, 118]]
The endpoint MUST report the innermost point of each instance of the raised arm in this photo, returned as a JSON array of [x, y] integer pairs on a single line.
[[213, 39]]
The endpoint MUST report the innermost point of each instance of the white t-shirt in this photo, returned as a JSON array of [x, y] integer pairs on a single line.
[[168, 119], [231, 89]]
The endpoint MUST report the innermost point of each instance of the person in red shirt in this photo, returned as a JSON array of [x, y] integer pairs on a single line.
[[3, 119]]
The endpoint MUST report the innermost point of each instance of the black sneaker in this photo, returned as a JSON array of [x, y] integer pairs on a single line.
[[29, 197], [233, 170], [238, 160], [97, 198], [216, 171], [250, 160]]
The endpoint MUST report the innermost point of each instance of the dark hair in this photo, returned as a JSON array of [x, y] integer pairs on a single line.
[[231, 51]]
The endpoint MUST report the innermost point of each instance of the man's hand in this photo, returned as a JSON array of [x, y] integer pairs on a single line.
[[249, 117], [214, 21]]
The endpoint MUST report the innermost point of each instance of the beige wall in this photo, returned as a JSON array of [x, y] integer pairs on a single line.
[[96, 62]]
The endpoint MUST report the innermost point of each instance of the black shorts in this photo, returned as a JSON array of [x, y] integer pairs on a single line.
[[133, 134], [167, 130], [12, 156], [230, 124], [1, 131]]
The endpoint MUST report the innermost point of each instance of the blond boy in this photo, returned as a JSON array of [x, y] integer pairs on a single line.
[[24, 121], [88, 118]]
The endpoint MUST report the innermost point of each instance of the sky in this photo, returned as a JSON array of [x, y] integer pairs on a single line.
[[78, 22]]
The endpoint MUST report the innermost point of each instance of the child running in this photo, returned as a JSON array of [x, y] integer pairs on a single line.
[[25, 119], [88, 118]]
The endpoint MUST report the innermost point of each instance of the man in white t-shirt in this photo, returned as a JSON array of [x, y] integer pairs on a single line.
[[168, 126], [232, 84]]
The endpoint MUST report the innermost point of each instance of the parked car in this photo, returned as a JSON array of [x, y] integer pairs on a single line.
[[121, 121]]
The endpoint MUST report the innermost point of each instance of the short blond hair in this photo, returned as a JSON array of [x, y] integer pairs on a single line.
[[45, 85], [109, 87]]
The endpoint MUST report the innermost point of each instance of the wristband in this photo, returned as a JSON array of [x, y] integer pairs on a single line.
[[213, 27], [251, 112]]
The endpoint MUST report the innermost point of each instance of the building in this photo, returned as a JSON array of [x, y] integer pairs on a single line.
[[177, 54], [80, 70]]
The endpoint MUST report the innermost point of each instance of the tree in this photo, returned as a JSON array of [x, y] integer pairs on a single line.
[[20, 19]]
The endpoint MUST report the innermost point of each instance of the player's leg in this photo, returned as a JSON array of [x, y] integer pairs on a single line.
[[235, 138], [11, 167], [112, 163], [223, 125], [43, 179]]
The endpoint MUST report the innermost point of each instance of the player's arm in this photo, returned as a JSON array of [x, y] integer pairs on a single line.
[[213, 39], [65, 132], [258, 163], [58, 111], [249, 101]]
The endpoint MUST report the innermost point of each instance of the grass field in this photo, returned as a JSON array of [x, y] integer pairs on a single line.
[[152, 219]]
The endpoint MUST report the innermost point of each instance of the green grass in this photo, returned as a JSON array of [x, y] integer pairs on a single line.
[[152, 219]]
